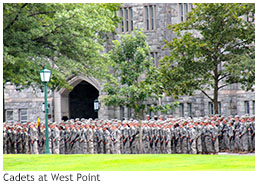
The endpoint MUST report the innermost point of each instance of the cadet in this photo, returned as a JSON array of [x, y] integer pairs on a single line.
[[230, 134], [90, 135], [183, 139], [62, 140], [19, 140], [4, 140], [237, 133], [55, 139], [192, 140], [106, 138], [33, 139], [243, 134], [25, 141]]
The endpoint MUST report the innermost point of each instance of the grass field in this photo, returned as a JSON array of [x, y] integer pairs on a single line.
[[143, 162]]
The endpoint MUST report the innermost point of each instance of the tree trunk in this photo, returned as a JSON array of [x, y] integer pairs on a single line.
[[216, 89], [4, 118], [138, 115], [140, 137]]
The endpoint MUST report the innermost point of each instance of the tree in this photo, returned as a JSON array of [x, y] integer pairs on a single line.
[[133, 75], [213, 35], [66, 38]]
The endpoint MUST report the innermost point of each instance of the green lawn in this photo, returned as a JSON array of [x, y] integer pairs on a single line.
[[143, 162]]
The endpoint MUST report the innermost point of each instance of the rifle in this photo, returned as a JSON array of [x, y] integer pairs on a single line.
[[133, 138], [73, 141]]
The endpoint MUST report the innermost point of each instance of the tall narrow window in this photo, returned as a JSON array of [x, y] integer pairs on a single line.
[[129, 114], [182, 110], [253, 107], [23, 115], [211, 108], [247, 107], [186, 9], [152, 17], [191, 6], [122, 23], [181, 12], [154, 56], [147, 17], [126, 19], [122, 112], [219, 107], [131, 17], [9, 115], [189, 106]]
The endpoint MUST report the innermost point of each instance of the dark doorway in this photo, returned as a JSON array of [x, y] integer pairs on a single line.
[[81, 101]]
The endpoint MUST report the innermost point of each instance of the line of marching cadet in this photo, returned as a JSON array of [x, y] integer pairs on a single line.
[[204, 135]]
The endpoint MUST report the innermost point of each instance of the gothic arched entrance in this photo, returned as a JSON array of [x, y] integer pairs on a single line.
[[81, 101], [78, 103]]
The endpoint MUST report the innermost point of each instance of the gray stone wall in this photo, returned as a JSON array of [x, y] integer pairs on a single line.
[[28, 99], [232, 98]]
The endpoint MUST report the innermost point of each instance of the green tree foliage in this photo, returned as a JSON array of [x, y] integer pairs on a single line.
[[133, 75], [66, 38], [213, 34]]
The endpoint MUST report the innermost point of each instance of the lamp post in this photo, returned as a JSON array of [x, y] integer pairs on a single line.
[[45, 77]]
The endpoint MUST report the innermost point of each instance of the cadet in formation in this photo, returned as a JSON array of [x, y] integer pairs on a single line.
[[204, 135]]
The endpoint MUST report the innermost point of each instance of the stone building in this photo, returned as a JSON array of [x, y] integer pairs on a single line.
[[153, 19]]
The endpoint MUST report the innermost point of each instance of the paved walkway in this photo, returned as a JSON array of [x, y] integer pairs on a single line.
[[226, 153]]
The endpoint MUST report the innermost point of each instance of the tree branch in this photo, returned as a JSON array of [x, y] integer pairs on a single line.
[[16, 17], [223, 77], [39, 13], [222, 86], [207, 95]]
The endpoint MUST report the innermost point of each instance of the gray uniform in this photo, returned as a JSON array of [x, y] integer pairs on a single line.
[[237, 141], [199, 138], [183, 140], [215, 140], [90, 135], [67, 140], [145, 139], [99, 141], [83, 141], [4, 141], [107, 141], [19, 142], [62, 142], [75, 136], [208, 139], [56, 139], [167, 141], [115, 141], [178, 148], [192, 141], [41, 142], [34, 140], [230, 133], [126, 143], [244, 136], [25, 142]]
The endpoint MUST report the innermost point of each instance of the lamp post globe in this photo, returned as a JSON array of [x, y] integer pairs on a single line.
[[96, 105], [45, 75]]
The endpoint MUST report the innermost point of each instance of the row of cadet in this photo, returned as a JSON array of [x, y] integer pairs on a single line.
[[204, 135]]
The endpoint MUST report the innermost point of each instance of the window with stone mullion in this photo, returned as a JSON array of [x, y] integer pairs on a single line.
[[126, 19], [131, 18], [147, 17]]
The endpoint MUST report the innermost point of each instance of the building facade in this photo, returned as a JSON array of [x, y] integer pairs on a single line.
[[152, 19]]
